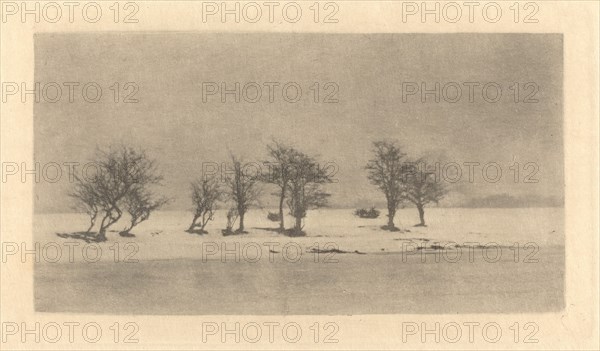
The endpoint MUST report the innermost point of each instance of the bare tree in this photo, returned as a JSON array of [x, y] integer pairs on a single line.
[[305, 188], [423, 188], [279, 173], [205, 195], [232, 216], [139, 203], [387, 172], [244, 190], [86, 200], [120, 170]]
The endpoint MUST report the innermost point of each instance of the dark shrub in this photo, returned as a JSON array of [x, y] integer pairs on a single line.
[[274, 217], [364, 213]]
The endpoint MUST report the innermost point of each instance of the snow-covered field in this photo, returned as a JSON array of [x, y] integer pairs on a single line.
[[163, 236], [169, 271]]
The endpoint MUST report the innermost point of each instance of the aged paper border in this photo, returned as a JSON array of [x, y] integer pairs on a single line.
[[574, 328]]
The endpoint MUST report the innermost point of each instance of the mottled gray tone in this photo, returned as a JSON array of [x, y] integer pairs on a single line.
[[347, 287], [181, 131]]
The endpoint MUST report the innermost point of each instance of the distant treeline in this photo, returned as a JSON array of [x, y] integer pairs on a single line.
[[487, 201], [510, 201]]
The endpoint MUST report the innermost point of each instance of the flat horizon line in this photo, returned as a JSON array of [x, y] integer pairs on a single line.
[[339, 208]]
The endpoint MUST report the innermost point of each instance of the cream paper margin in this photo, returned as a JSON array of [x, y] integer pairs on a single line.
[[574, 328]]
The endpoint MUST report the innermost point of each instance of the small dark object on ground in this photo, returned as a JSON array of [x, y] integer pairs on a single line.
[[274, 217], [127, 235], [364, 213], [197, 231]]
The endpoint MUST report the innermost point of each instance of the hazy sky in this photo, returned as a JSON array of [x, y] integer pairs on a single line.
[[175, 126]]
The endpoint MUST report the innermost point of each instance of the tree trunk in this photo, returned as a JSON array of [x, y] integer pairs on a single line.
[[421, 215], [126, 230], [204, 222], [104, 226], [281, 200], [298, 225], [241, 228], [391, 215], [193, 225], [92, 222], [136, 222], [101, 236]]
